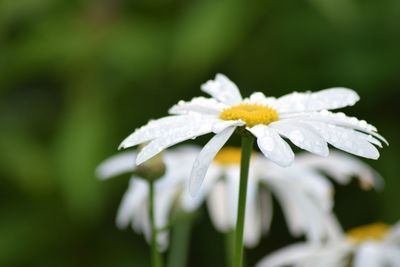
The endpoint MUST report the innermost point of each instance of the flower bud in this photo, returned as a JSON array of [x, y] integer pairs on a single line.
[[152, 169]]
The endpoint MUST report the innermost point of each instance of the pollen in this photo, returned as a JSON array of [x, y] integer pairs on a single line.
[[251, 114], [376, 231]]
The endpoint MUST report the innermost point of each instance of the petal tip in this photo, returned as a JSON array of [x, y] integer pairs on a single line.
[[140, 159], [192, 188]]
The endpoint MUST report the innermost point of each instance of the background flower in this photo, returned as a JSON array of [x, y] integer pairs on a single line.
[[170, 191], [305, 195], [375, 245]]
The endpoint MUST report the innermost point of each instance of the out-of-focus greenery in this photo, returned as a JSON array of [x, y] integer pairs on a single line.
[[76, 77]]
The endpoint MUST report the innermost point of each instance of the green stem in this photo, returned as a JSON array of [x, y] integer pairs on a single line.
[[155, 257], [247, 144], [180, 242], [229, 242]]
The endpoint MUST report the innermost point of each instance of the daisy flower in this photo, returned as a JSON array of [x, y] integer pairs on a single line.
[[169, 191], [302, 190], [375, 245], [302, 118]]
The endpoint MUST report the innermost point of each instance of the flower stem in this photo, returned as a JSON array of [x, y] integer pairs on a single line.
[[229, 246], [180, 242], [155, 257], [247, 144]]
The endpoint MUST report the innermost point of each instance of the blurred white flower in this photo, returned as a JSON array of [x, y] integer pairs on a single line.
[[375, 245], [302, 190], [170, 191], [303, 118]]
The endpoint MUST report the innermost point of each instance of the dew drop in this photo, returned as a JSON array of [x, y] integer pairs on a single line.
[[296, 136], [268, 143]]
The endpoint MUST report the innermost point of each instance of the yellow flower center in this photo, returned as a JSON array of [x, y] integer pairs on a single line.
[[228, 156], [251, 114], [376, 231]]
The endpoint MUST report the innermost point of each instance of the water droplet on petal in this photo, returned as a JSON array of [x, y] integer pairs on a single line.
[[268, 143], [296, 136]]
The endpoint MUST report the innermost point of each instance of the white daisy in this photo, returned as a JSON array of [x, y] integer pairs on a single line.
[[303, 118], [304, 193], [375, 245], [169, 191]]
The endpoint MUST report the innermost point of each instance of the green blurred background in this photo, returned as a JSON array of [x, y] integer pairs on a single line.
[[76, 77]]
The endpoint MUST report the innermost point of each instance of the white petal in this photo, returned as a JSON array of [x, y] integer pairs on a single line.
[[190, 203], [346, 139], [309, 255], [332, 98], [172, 136], [288, 255], [316, 186], [223, 89], [260, 99], [232, 174], [283, 191], [198, 105], [368, 255], [302, 211], [302, 135], [272, 145], [217, 207], [268, 211], [253, 223], [140, 220], [205, 158], [340, 119], [154, 129], [252, 226], [342, 167], [334, 254], [165, 196], [121, 163], [221, 125], [334, 230], [164, 199], [132, 201], [178, 161], [391, 255], [144, 221]]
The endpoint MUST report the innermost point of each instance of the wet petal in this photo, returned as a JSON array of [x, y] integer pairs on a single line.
[[260, 99], [223, 89], [340, 119], [272, 145], [221, 125], [205, 157], [200, 105], [332, 98], [154, 129], [190, 203], [347, 140], [172, 136], [302, 135]]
